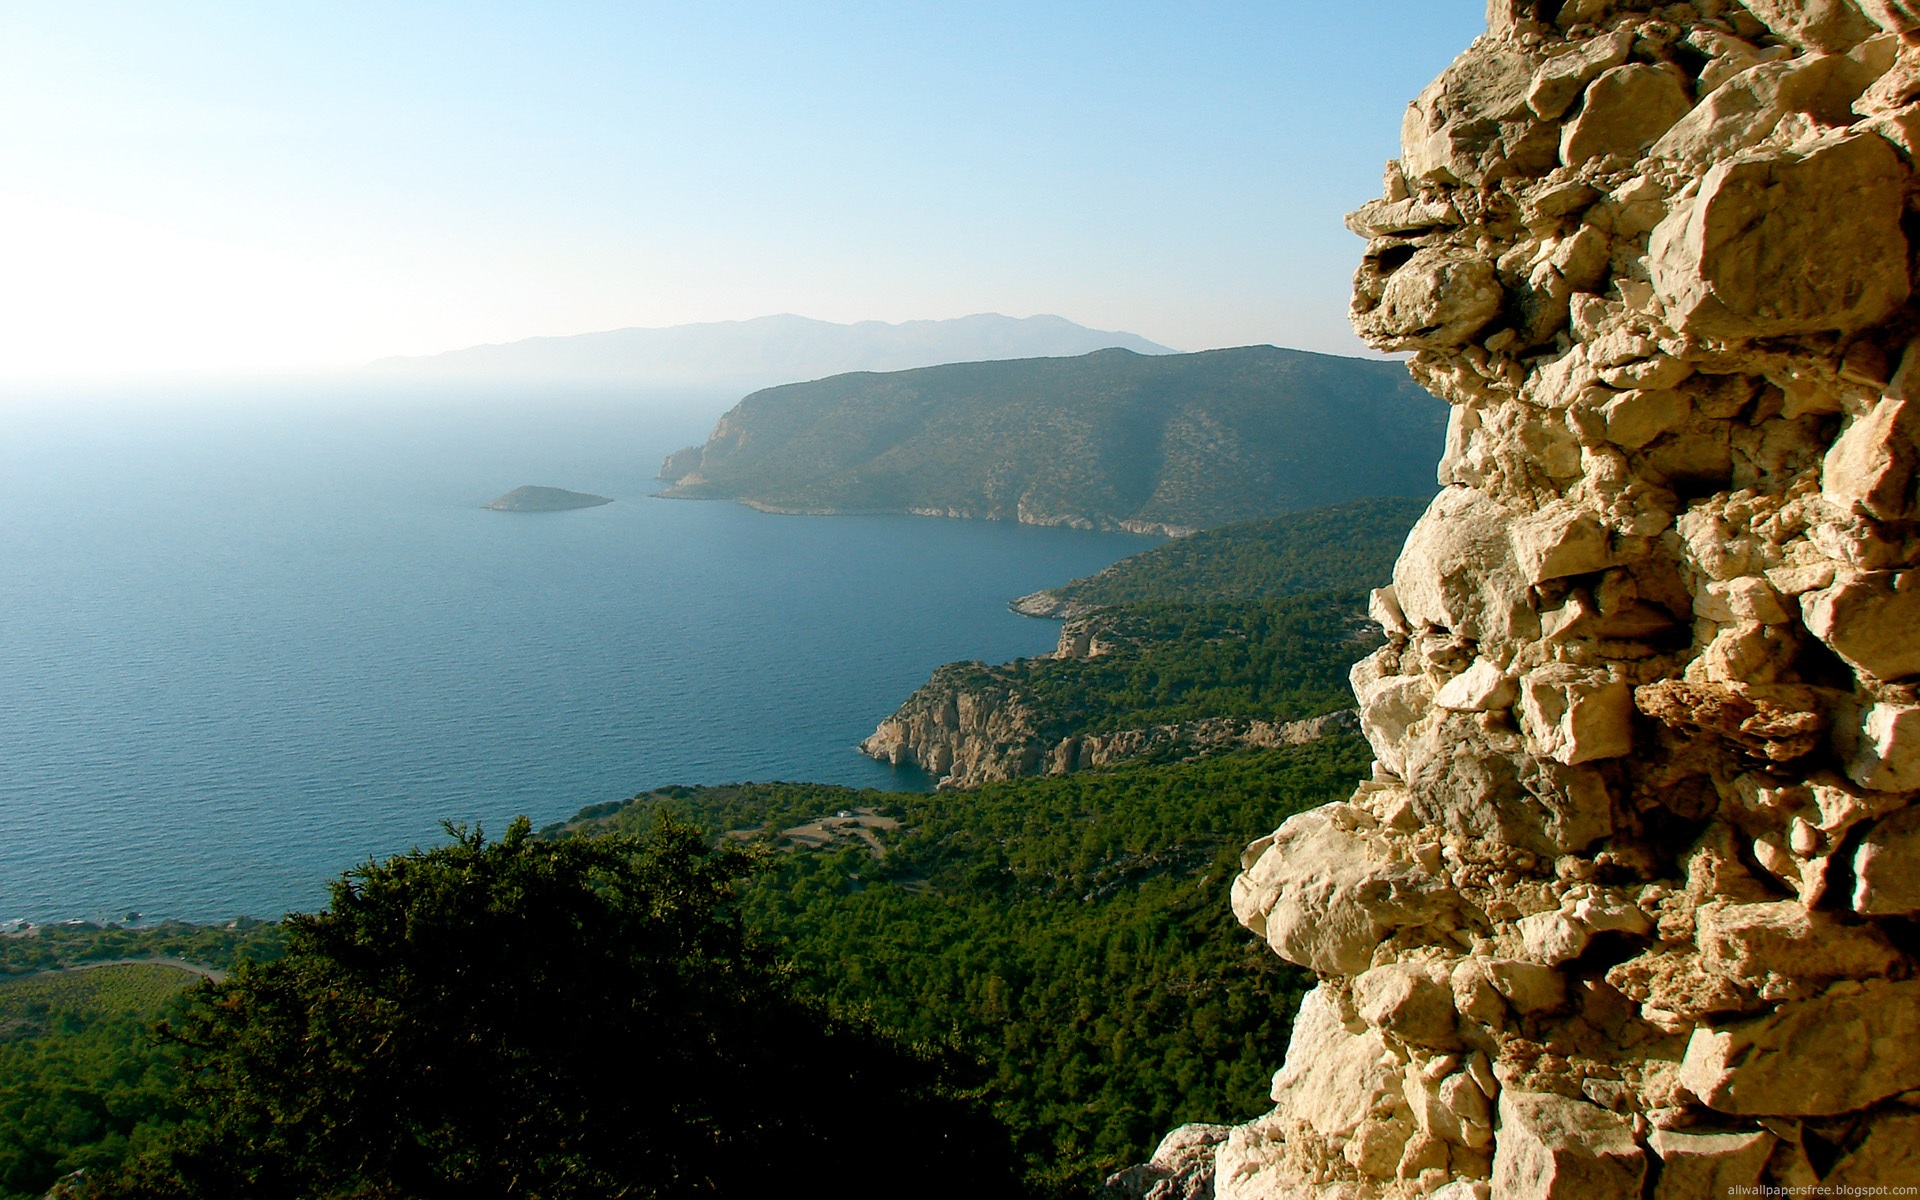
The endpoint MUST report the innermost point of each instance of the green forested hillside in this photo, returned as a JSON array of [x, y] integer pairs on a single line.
[[1074, 931], [1277, 660], [1108, 440], [1344, 546], [83, 1079]]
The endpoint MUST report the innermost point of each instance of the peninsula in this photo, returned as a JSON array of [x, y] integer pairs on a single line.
[[545, 499]]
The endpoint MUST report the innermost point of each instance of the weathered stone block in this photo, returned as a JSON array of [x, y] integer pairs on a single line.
[[1561, 79], [1870, 468], [1472, 124], [1871, 619], [1329, 886], [1743, 111], [1787, 242], [1548, 1147], [1412, 1001], [1482, 687], [1784, 945], [1439, 298], [1840, 1052], [1886, 867], [1635, 418], [1457, 570], [1575, 714], [1886, 756], [1826, 26], [1696, 1165], [1625, 111]]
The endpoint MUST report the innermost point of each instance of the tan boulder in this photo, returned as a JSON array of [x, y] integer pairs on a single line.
[[1548, 1147], [1870, 467], [1389, 705], [1886, 748], [1786, 242], [1529, 986], [1886, 1153], [1556, 541], [1626, 109], [1886, 867], [1482, 687], [1468, 788], [1576, 714], [1894, 16], [1560, 80], [1334, 1079], [1743, 111], [1783, 948], [1634, 418], [1412, 1001], [1472, 124], [1871, 619], [1328, 885], [1845, 1050], [1697, 1165], [1826, 26], [1439, 297], [1457, 570]]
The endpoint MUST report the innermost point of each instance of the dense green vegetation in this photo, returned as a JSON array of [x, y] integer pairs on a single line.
[[218, 946], [1112, 437], [1280, 660], [83, 1079], [1074, 931], [555, 1018], [1341, 547], [449, 1020]]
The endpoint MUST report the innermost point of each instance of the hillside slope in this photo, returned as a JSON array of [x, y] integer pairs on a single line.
[[1348, 545], [1109, 440]]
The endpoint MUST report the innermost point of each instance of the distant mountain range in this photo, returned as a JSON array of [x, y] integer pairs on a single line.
[[767, 350], [1109, 440]]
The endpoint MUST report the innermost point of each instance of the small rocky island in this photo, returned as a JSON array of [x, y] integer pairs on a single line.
[[545, 499]]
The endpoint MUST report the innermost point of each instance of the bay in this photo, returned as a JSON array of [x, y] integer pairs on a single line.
[[250, 637]]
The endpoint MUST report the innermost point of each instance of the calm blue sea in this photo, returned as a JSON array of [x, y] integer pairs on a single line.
[[250, 639]]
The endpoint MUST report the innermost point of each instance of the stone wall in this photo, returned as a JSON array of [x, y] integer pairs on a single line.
[[1628, 906]]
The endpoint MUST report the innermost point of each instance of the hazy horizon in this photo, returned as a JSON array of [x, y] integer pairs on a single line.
[[216, 189]]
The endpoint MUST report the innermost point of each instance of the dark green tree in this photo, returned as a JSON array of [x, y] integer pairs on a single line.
[[528, 1018]]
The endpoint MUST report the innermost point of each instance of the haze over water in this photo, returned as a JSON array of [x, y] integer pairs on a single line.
[[250, 642]]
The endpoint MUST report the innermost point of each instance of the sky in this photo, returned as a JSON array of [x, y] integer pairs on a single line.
[[204, 186]]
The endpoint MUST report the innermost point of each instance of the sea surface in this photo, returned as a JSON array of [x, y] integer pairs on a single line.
[[252, 637]]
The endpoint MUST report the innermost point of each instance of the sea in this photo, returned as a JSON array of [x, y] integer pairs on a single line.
[[253, 636]]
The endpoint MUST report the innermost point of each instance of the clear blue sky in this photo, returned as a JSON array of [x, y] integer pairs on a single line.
[[223, 186]]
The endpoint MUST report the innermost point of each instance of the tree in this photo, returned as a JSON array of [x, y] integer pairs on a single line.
[[530, 1018]]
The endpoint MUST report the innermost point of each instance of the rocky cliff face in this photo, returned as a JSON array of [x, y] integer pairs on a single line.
[[971, 724], [1628, 906]]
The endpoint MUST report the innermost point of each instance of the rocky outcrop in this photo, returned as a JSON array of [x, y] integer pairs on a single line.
[[1626, 908], [972, 724]]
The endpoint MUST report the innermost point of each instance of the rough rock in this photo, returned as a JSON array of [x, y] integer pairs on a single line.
[[1181, 1167], [1553, 1148], [1795, 241], [1693, 1165], [1886, 867], [1846, 1050], [1627, 907], [1625, 110]]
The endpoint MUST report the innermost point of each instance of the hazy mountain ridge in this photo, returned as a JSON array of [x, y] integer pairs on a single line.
[[1109, 440], [768, 350]]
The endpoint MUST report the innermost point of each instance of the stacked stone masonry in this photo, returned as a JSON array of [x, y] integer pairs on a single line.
[[1628, 907]]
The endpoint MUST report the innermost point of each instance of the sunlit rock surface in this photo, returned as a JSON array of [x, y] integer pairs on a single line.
[[1627, 908]]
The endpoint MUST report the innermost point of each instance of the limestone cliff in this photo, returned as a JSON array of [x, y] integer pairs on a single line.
[[972, 723], [1627, 908]]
